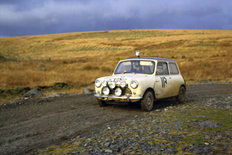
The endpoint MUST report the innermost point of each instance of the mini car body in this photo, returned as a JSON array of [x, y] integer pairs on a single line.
[[141, 79]]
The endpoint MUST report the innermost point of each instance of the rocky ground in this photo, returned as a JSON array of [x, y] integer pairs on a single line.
[[196, 127], [75, 124]]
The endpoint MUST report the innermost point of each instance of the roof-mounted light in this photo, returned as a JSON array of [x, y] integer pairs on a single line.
[[137, 53]]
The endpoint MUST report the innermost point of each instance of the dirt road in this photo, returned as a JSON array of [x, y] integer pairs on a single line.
[[39, 123]]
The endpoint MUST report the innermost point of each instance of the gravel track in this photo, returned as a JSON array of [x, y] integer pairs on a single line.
[[38, 123]]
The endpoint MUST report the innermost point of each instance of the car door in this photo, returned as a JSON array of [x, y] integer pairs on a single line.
[[174, 79], [162, 85]]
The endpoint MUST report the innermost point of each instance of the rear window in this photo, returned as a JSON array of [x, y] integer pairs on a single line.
[[173, 69]]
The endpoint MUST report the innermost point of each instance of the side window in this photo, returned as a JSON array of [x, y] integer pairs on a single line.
[[173, 68], [162, 68]]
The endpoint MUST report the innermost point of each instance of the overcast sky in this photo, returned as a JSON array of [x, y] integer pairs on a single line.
[[31, 17]]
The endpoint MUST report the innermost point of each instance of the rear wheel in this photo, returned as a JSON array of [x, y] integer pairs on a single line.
[[181, 96], [147, 102], [101, 103]]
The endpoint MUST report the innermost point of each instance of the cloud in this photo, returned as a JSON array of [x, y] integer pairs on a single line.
[[27, 17]]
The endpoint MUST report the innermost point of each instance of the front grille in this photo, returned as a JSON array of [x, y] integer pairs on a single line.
[[125, 91]]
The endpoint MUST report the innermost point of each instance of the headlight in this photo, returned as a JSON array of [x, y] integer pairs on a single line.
[[104, 83], [134, 84], [118, 91], [106, 91], [123, 84], [111, 85], [98, 83]]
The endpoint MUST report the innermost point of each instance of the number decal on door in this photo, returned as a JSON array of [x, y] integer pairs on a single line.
[[164, 81]]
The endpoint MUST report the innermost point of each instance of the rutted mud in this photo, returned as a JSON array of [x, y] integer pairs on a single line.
[[40, 123]]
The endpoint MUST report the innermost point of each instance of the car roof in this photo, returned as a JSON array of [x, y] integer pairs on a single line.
[[151, 58]]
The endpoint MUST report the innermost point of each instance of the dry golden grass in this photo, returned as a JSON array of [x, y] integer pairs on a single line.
[[80, 58]]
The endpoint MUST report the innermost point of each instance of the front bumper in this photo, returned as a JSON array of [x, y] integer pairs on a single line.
[[118, 98]]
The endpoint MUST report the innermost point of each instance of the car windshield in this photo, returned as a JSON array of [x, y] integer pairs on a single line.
[[135, 66]]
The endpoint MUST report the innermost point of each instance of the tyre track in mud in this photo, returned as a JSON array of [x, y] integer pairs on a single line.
[[39, 123]]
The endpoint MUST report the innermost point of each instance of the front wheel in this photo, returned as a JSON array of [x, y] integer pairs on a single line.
[[181, 96], [147, 102], [101, 103]]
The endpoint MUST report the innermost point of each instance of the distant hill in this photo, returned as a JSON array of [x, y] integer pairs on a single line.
[[79, 58]]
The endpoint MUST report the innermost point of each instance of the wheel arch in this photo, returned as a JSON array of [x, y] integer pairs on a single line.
[[149, 89], [183, 85]]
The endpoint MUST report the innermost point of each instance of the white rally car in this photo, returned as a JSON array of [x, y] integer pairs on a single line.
[[143, 80]]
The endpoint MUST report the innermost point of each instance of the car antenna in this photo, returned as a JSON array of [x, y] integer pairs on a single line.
[[137, 53]]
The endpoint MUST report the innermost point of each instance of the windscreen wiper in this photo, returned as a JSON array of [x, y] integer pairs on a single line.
[[126, 72]]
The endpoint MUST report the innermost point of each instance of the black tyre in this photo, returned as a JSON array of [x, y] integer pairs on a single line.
[[101, 103], [181, 96], [147, 102]]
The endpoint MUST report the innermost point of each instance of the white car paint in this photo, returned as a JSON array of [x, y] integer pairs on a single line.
[[163, 86]]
